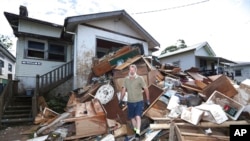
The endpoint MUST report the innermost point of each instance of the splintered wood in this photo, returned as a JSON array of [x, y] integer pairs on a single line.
[[90, 119]]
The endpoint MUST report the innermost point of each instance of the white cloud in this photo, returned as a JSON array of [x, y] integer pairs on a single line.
[[224, 24]]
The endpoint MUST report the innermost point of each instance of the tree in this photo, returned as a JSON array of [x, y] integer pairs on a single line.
[[169, 49], [6, 41], [181, 43]]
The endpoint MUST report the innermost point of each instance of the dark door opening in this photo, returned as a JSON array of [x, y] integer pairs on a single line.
[[104, 47]]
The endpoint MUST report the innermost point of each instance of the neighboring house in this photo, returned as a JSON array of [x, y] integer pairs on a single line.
[[239, 72], [7, 66], [42, 46], [200, 56]]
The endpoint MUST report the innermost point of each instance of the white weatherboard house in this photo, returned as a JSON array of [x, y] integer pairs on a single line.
[[239, 72], [200, 55], [63, 54], [7, 66]]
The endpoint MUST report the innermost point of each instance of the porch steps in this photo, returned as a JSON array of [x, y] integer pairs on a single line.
[[19, 110]]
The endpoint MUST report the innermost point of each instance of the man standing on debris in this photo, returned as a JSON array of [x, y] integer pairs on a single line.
[[134, 84]]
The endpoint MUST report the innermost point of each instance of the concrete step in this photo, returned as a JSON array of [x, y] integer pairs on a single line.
[[17, 120], [14, 111], [22, 115], [19, 107]]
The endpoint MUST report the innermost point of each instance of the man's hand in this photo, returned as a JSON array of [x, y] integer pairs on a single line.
[[147, 104], [121, 104]]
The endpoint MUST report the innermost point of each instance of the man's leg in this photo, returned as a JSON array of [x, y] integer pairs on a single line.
[[138, 124], [133, 120]]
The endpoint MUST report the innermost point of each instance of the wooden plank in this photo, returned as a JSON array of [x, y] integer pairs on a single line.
[[172, 136], [221, 84], [102, 68], [90, 119], [214, 77], [151, 135], [200, 84], [204, 135], [197, 76], [191, 86], [89, 95], [128, 62], [154, 93], [157, 110], [157, 126], [124, 57], [154, 76], [148, 64]]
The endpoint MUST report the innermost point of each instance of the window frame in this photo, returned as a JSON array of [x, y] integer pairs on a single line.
[[1, 62], [10, 67], [38, 50], [238, 72], [64, 54], [46, 51]]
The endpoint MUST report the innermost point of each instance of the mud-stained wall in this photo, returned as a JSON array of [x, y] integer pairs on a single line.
[[62, 90], [85, 50], [84, 64]]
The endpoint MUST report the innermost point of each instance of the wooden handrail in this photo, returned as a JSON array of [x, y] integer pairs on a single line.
[[6, 96], [53, 78]]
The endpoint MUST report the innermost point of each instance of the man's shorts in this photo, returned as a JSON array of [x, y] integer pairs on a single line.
[[135, 109]]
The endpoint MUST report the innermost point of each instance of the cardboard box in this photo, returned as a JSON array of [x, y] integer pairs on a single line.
[[192, 115], [231, 107], [213, 113]]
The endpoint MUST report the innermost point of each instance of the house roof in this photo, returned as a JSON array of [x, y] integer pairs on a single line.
[[241, 64], [190, 48], [71, 23], [5, 52], [13, 20], [214, 58]]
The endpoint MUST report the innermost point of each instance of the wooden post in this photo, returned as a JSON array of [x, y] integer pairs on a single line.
[[37, 84]]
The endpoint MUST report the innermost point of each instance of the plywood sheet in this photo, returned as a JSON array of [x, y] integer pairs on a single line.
[[221, 84]]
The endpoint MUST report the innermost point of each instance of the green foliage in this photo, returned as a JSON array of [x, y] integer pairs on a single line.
[[58, 104], [169, 49], [6, 41], [183, 44]]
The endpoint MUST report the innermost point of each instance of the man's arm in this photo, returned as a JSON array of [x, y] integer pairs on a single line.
[[147, 93], [122, 93]]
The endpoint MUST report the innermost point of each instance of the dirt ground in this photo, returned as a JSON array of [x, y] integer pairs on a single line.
[[17, 132]]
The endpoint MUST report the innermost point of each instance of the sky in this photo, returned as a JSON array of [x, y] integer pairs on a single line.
[[224, 24]]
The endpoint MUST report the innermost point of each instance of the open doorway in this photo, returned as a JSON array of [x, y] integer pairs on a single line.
[[103, 47]]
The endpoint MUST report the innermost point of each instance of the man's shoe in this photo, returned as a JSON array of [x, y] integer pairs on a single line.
[[137, 136]]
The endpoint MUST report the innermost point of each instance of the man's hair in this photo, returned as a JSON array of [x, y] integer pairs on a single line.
[[133, 66]]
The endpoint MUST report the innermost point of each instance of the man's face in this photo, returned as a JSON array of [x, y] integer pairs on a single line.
[[132, 71]]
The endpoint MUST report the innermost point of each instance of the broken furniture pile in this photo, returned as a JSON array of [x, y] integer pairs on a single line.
[[184, 105]]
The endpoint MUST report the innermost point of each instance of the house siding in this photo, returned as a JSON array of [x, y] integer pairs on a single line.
[[35, 28], [86, 48], [7, 58], [116, 25], [245, 72], [26, 73], [5, 70], [186, 59], [201, 52]]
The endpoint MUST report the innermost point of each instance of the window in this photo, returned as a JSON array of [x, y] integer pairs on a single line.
[[237, 72], [36, 49], [10, 67], [1, 63], [42, 50], [56, 52], [176, 63]]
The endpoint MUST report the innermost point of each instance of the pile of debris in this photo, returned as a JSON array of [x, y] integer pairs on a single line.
[[185, 105]]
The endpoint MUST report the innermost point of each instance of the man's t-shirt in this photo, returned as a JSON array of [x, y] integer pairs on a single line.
[[134, 88]]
